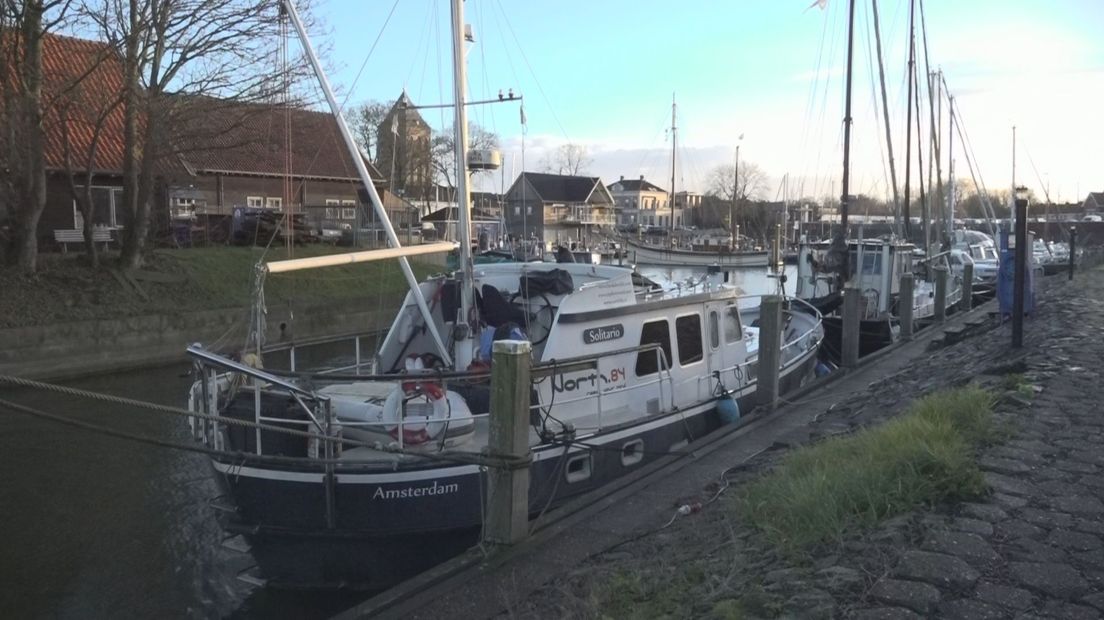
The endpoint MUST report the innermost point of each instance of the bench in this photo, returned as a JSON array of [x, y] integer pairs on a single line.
[[65, 237]]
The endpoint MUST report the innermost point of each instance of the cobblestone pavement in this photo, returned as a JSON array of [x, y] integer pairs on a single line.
[[1032, 548]]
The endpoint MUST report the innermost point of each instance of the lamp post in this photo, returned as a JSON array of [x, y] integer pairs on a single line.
[[1020, 274]]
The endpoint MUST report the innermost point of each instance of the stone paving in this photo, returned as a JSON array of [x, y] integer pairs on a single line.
[[1033, 547]]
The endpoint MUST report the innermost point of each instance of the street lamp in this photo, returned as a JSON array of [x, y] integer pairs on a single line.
[[1020, 273]]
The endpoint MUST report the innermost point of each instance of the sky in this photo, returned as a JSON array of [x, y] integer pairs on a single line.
[[602, 73]]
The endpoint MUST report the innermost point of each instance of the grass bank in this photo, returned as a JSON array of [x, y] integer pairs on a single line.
[[923, 457], [66, 289]]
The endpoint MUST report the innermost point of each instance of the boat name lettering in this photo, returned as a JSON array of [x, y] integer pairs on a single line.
[[615, 376], [408, 492], [594, 335]]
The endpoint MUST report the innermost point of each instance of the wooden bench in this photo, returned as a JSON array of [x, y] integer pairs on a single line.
[[65, 237]]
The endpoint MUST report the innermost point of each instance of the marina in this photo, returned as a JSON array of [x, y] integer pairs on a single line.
[[278, 339]]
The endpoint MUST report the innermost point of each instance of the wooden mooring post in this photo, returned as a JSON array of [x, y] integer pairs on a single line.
[[904, 306], [940, 311], [507, 512], [851, 327], [967, 301], [770, 350]]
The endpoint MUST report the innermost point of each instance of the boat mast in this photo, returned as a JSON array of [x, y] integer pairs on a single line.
[[462, 345], [674, 144], [885, 112], [840, 243], [950, 168], [362, 171], [908, 121]]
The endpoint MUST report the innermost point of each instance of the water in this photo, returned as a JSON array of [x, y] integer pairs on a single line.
[[100, 527]]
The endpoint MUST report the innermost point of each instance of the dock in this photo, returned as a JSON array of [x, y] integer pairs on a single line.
[[1020, 524]]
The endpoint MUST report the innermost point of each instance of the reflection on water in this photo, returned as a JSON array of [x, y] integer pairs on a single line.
[[99, 527]]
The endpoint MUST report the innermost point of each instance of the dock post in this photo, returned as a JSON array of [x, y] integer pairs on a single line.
[[904, 306], [770, 350], [1020, 271], [940, 313], [852, 323], [508, 486], [967, 301], [1073, 250]]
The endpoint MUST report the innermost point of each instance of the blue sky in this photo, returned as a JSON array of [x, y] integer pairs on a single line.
[[602, 73]]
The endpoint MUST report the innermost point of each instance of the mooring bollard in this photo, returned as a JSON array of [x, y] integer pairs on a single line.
[[967, 301], [770, 350], [508, 485], [904, 306], [1073, 249], [940, 293], [852, 324]]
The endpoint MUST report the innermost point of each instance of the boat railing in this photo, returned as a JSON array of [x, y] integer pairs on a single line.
[[293, 347]]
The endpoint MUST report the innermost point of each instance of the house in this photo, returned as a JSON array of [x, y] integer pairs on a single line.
[[637, 201], [486, 227], [1094, 204], [403, 151], [556, 207], [238, 154], [83, 127]]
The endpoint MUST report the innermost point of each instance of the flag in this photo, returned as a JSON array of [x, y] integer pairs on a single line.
[[821, 4], [395, 125], [523, 119]]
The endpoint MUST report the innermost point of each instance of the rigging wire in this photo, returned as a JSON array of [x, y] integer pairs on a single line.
[[540, 88]]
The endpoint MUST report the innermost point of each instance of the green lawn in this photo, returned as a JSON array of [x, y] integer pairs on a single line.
[[65, 289]]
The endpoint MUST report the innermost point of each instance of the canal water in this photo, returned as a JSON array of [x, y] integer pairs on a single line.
[[101, 527]]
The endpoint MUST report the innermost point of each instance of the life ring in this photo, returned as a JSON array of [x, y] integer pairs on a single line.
[[416, 429]]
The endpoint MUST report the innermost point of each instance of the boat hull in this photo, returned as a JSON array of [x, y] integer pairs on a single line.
[[874, 334], [384, 522], [649, 255]]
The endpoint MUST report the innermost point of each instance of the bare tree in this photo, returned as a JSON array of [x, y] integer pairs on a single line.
[[220, 48], [24, 25], [569, 159], [365, 120], [752, 183], [443, 151]]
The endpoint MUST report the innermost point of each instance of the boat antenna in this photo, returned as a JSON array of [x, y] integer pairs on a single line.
[[462, 345], [839, 243]]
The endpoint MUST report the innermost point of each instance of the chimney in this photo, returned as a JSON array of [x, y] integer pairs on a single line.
[[641, 177], [622, 177]]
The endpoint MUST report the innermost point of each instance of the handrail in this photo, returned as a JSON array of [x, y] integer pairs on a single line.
[[218, 360]]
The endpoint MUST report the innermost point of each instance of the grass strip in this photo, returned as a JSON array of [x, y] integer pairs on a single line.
[[922, 457]]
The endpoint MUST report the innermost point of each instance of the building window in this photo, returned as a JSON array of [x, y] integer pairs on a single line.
[[529, 210], [653, 332], [332, 202], [517, 210], [331, 213], [254, 201], [689, 335], [349, 202], [105, 201], [348, 214], [274, 203]]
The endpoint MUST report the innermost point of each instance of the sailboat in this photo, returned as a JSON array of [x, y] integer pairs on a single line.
[[350, 475], [723, 255]]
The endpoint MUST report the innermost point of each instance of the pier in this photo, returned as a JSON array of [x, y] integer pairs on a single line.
[[1029, 541]]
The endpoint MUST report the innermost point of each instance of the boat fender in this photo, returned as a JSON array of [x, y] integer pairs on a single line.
[[728, 409], [822, 370], [416, 429]]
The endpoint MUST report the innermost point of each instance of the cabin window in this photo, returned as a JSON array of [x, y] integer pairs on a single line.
[[732, 330], [714, 329], [689, 334], [872, 263], [653, 332]]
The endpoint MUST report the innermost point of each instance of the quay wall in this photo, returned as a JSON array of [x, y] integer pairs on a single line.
[[81, 348]]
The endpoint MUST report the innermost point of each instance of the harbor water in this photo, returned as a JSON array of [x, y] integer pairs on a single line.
[[103, 527]]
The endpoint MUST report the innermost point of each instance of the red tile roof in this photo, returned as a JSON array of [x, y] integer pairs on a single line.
[[82, 87], [217, 135]]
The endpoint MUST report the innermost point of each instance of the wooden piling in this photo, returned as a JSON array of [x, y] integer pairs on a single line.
[[940, 313], [770, 350], [967, 301], [852, 324], [904, 306], [508, 487]]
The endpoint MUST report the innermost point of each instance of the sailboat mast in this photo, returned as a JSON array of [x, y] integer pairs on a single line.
[[674, 145], [845, 198], [950, 168], [908, 120], [885, 112], [463, 197]]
